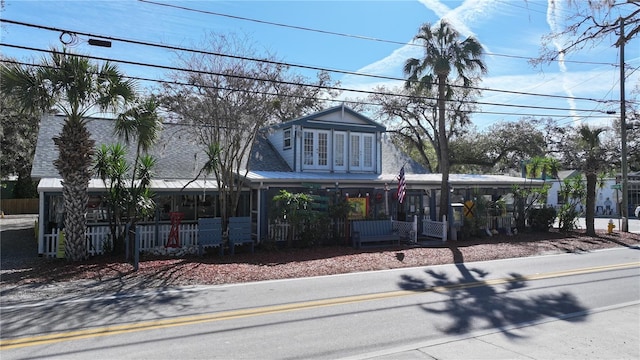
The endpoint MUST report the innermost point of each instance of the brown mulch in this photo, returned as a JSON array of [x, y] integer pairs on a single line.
[[293, 263]]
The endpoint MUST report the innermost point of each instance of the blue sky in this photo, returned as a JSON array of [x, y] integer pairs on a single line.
[[510, 31]]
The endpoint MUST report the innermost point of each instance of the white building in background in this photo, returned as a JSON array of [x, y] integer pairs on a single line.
[[608, 196]]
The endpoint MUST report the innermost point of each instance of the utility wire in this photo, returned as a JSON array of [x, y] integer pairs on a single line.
[[359, 102], [335, 33], [202, 72], [267, 61]]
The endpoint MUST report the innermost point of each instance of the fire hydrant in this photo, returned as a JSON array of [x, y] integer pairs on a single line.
[[610, 226]]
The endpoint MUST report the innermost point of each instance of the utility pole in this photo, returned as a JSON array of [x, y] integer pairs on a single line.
[[623, 135]]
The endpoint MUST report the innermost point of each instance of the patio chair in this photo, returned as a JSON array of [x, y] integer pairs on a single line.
[[210, 234], [239, 233]]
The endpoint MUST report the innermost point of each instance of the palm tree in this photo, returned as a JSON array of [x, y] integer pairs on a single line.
[[73, 85], [141, 124], [543, 167], [444, 53], [590, 142]]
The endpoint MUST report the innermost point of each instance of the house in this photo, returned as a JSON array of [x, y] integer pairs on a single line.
[[332, 153], [608, 193]]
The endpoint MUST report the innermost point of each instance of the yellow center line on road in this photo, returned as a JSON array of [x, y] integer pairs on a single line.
[[7, 344]]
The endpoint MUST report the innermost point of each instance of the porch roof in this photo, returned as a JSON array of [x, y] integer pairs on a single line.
[[157, 185], [286, 178], [412, 180]]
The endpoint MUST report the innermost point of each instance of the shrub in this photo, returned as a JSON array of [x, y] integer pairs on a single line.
[[542, 219]]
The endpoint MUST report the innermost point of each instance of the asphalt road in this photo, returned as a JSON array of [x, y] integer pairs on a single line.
[[358, 315]]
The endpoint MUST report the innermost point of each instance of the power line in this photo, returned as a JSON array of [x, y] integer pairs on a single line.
[[337, 33], [202, 72], [273, 62], [359, 102]]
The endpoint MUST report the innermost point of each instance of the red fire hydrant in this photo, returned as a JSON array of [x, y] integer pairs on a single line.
[[610, 226]]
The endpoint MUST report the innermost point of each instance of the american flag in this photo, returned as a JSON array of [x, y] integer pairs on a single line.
[[401, 186]]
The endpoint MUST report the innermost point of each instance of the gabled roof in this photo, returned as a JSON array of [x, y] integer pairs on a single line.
[[338, 117], [393, 159], [264, 157], [178, 154], [566, 174], [179, 158]]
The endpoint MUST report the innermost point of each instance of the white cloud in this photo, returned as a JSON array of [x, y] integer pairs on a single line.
[[391, 65]]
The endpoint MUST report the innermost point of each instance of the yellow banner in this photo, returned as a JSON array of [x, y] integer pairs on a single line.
[[60, 254]]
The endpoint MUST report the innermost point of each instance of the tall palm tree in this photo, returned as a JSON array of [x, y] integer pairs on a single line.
[[73, 85], [589, 140], [444, 53]]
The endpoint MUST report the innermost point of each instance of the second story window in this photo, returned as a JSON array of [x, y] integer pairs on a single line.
[[286, 139], [315, 149], [362, 152], [340, 151], [355, 151]]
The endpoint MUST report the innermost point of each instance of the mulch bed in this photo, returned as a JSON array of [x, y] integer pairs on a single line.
[[292, 263]]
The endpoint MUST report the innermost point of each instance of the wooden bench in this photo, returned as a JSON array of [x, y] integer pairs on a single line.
[[239, 233], [210, 234], [373, 233]]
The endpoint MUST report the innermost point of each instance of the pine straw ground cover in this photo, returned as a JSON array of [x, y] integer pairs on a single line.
[[291, 263]]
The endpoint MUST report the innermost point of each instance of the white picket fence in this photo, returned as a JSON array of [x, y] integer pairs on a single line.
[[187, 234], [435, 229], [279, 231], [98, 238]]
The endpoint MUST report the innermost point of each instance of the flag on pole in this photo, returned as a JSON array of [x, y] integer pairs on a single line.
[[401, 186]]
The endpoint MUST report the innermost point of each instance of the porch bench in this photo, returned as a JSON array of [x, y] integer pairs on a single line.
[[373, 233], [210, 234]]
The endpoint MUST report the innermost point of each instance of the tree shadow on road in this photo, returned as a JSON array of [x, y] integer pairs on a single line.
[[477, 303]]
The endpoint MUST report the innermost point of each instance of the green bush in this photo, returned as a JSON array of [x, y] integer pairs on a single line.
[[542, 219]]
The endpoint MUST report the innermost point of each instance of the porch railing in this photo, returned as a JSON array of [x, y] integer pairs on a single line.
[[496, 222], [279, 230], [406, 229], [435, 229]]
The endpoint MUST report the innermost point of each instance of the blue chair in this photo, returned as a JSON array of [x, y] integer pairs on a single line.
[[239, 233], [210, 234]]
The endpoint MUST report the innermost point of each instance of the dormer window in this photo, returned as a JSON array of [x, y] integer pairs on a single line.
[[315, 149], [362, 152], [286, 139], [338, 140]]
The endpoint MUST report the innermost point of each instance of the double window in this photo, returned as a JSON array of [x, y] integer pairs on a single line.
[[361, 153], [351, 151], [315, 149]]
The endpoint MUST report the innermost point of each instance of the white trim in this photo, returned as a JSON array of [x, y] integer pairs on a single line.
[[157, 185]]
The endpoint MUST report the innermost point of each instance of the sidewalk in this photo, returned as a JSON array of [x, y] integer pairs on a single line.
[[609, 333]]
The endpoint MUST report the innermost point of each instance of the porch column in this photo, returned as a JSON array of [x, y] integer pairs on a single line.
[[41, 222]]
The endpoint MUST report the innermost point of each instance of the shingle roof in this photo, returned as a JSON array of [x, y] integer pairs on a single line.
[[264, 157], [179, 158], [393, 159], [178, 154]]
